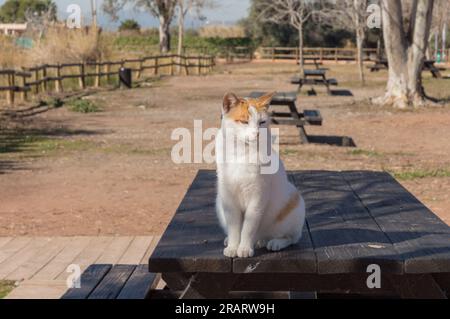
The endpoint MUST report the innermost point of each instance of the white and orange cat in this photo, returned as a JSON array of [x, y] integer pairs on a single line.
[[255, 209]]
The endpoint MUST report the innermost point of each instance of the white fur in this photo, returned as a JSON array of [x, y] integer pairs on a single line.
[[249, 202]]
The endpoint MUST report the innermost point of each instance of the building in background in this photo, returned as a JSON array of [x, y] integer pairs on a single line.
[[14, 29]]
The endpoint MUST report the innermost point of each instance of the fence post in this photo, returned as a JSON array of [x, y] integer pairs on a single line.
[[171, 65], [156, 65], [273, 54], [97, 74], [138, 75], [10, 92], [186, 65], [82, 77], [336, 55], [58, 83], [321, 55], [24, 93], [199, 65], [107, 70], [44, 78], [36, 79]]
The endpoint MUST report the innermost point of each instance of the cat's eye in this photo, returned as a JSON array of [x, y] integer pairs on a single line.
[[244, 122]]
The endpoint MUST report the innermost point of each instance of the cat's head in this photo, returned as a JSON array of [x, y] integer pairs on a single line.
[[246, 116]]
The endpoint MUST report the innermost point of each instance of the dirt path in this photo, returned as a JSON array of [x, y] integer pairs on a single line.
[[110, 173]]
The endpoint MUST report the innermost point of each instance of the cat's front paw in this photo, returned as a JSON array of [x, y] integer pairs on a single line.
[[245, 252], [230, 252]]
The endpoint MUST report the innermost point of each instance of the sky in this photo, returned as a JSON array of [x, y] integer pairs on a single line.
[[225, 12]]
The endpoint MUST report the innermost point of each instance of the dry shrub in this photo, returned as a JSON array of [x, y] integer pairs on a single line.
[[63, 45], [10, 55], [221, 31]]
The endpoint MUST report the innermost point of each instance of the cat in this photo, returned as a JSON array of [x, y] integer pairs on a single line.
[[255, 210]]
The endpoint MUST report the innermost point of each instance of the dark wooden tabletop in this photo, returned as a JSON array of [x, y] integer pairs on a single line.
[[354, 219]]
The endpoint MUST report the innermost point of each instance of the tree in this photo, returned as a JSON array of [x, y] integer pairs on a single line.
[[292, 12], [441, 19], [184, 7], [406, 29], [15, 11], [164, 10], [129, 25], [351, 15]]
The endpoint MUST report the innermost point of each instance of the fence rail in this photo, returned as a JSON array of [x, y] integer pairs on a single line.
[[49, 77], [333, 54]]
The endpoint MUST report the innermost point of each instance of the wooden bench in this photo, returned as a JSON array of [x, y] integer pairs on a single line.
[[354, 219], [428, 65], [114, 282], [293, 117], [314, 78]]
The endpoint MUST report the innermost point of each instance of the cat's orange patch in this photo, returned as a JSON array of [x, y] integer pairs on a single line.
[[289, 207], [241, 113]]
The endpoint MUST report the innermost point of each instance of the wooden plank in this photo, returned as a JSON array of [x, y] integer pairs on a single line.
[[150, 249], [4, 240], [115, 250], [39, 260], [133, 255], [59, 264], [89, 254], [193, 241], [418, 235], [346, 238], [31, 289], [21, 256], [90, 279], [139, 284], [11, 247], [113, 282]]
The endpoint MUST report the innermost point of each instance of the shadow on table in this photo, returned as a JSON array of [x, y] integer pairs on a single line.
[[342, 141]]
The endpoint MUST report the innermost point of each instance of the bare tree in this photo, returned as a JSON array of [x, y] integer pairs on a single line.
[[292, 12], [441, 19], [406, 34], [350, 15], [185, 7], [164, 10]]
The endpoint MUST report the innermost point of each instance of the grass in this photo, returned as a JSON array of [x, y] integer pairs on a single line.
[[37, 144], [133, 150], [83, 106], [421, 173], [6, 286]]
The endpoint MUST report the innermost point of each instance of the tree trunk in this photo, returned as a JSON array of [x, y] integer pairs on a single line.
[[180, 34], [405, 52], [164, 34], [300, 48], [360, 37]]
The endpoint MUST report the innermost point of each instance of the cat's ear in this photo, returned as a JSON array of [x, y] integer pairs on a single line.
[[230, 100], [264, 101]]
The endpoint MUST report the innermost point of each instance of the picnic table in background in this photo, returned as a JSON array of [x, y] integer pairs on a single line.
[[428, 65], [313, 78], [354, 219], [312, 61], [293, 116]]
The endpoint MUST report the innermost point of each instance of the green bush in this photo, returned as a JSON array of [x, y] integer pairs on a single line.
[[129, 25], [83, 106]]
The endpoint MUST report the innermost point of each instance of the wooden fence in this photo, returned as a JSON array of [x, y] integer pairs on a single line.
[[333, 54], [50, 77]]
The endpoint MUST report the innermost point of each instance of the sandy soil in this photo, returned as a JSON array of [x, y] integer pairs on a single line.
[[110, 173]]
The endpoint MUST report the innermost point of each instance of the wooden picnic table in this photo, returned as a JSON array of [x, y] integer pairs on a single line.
[[428, 65], [293, 116], [354, 219], [314, 77]]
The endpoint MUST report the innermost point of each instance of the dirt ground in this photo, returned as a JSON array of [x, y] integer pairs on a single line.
[[111, 173]]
